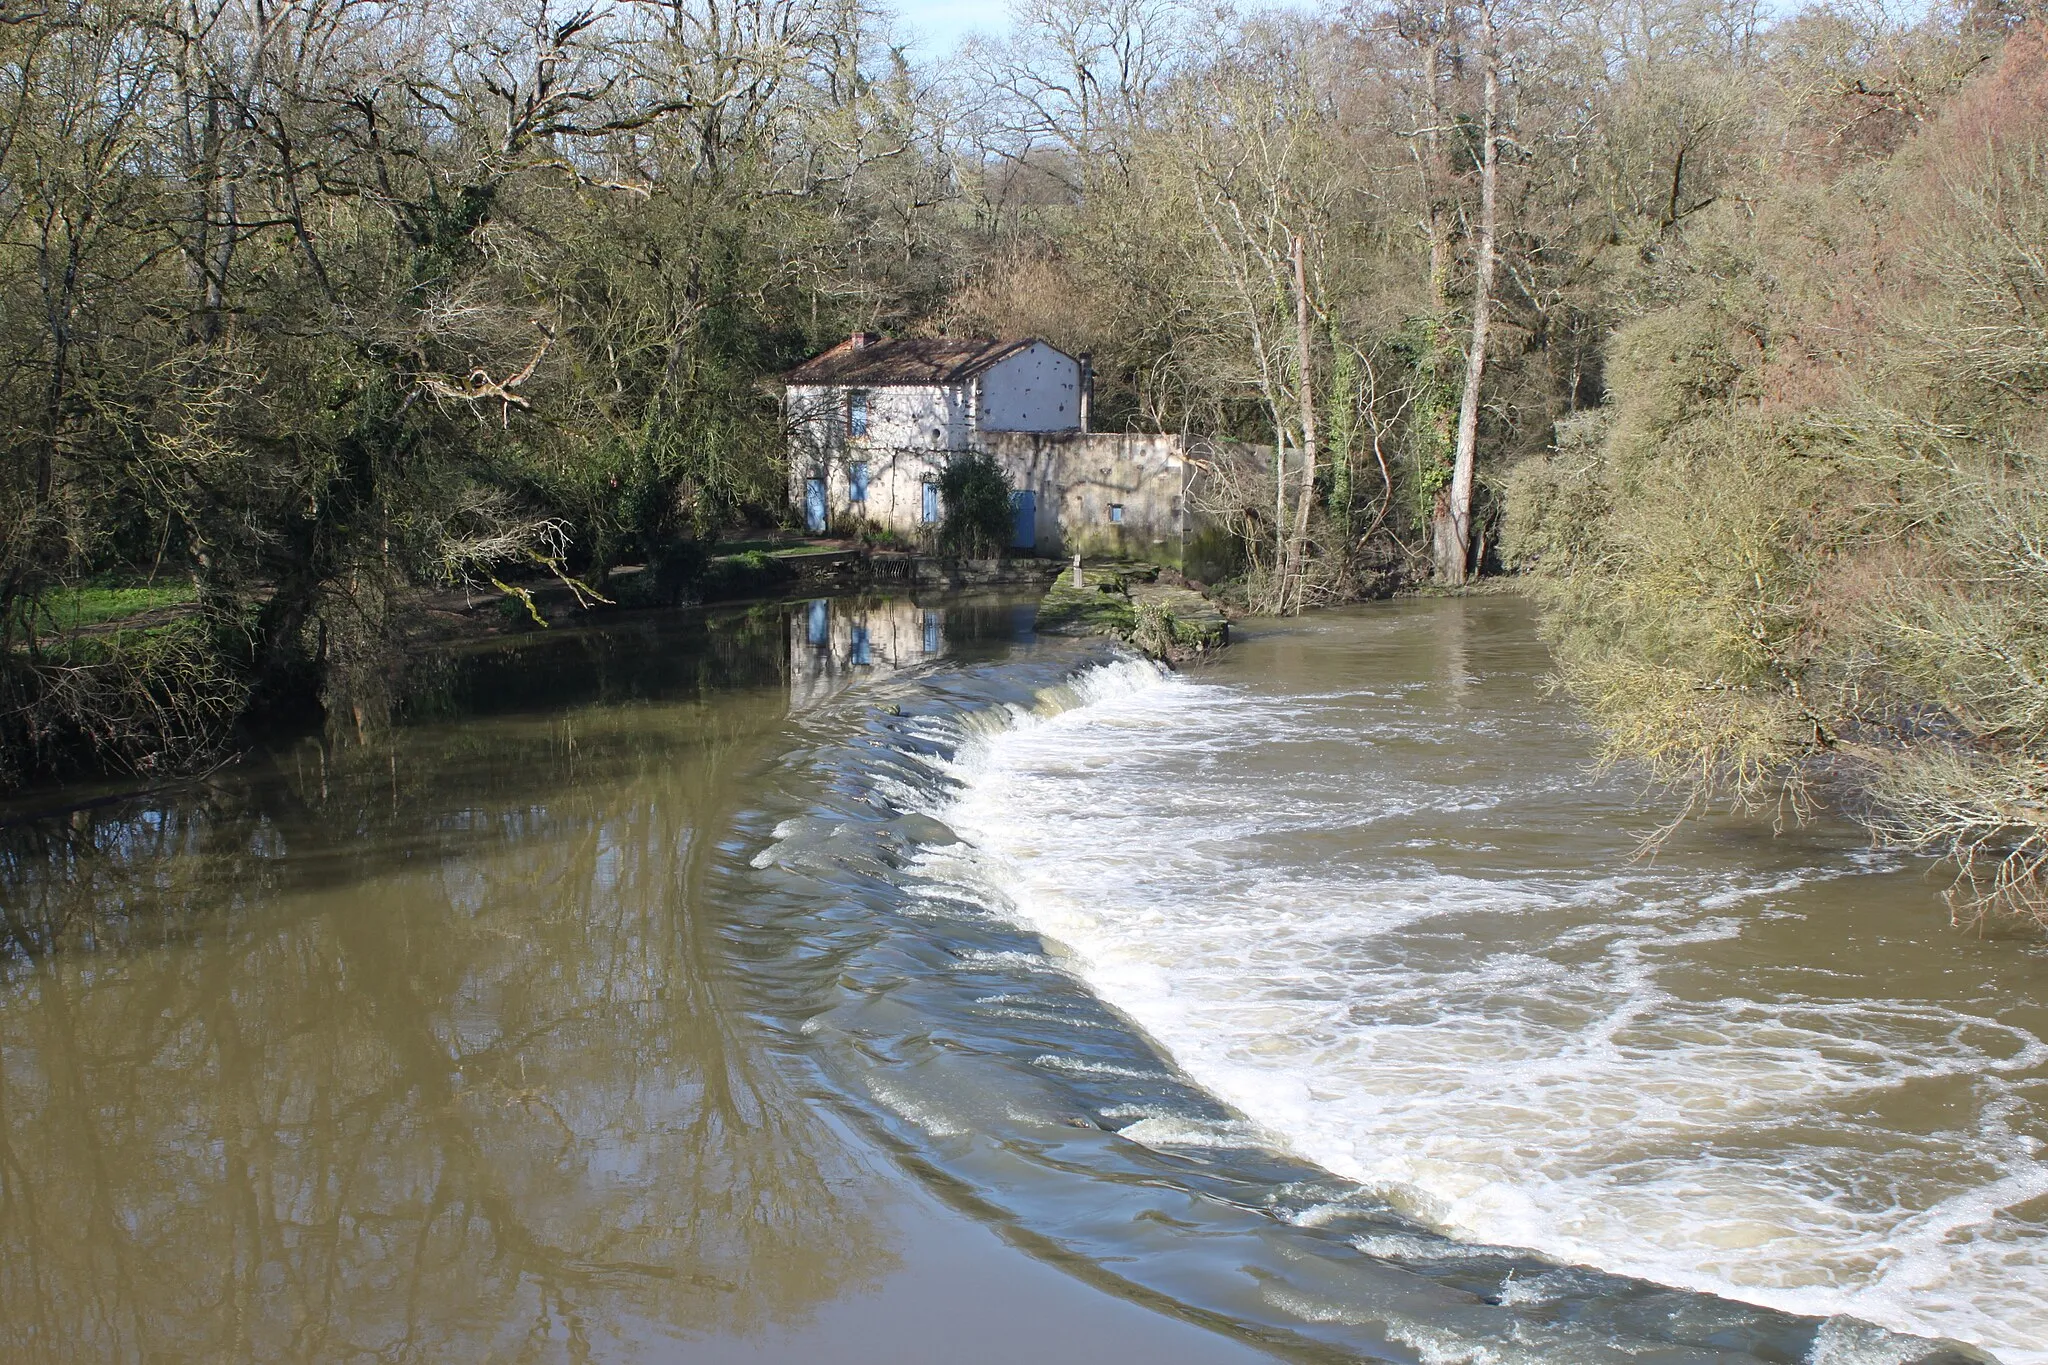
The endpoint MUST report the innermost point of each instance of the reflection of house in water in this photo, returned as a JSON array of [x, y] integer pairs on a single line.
[[836, 642]]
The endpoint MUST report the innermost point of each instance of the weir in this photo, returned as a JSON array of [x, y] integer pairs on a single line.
[[887, 970], [1411, 1020]]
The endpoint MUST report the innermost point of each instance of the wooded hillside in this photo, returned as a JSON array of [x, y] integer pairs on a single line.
[[1735, 318]]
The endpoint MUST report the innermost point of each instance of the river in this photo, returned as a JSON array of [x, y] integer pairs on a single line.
[[874, 979]]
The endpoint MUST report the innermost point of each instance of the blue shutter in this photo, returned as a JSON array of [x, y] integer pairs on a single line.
[[857, 481], [1024, 519], [931, 504]]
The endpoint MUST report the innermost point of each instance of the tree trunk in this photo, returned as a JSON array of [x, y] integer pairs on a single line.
[[1280, 565], [1433, 178], [1454, 519], [1303, 356]]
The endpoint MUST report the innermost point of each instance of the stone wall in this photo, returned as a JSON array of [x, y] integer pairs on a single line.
[[1121, 493], [1130, 494]]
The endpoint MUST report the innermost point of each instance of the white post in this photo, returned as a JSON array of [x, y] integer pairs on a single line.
[[1077, 571]]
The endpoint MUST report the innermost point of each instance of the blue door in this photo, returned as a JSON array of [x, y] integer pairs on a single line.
[[814, 505], [1024, 505], [931, 504]]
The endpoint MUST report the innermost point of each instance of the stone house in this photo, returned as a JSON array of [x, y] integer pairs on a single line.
[[873, 422]]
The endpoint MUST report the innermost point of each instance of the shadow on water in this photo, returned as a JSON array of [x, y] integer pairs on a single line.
[[428, 1051]]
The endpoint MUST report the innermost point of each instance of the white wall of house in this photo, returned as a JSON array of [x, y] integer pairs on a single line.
[[1025, 410], [1034, 389], [899, 417], [910, 432]]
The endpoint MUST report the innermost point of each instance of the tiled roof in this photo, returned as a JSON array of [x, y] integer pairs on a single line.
[[904, 360]]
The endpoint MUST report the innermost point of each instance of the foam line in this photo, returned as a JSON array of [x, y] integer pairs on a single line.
[[1523, 1048]]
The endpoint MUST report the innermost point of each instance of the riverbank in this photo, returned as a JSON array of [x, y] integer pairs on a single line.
[[766, 569], [144, 683]]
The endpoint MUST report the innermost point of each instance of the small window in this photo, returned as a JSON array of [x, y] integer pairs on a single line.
[[931, 504], [856, 414], [1116, 513], [857, 481]]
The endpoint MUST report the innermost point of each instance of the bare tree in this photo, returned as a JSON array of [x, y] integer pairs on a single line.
[[1453, 528], [1304, 378]]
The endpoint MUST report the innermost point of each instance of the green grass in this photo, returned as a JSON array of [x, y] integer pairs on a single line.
[[778, 546], [740, 575], [70, 608]]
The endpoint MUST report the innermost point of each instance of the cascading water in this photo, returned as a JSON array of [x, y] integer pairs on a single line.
[[1326, 997], [1385, 922]]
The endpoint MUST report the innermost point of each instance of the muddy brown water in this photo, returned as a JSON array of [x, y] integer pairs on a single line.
[[870, 979]]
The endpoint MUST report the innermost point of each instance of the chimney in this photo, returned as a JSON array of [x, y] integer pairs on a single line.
[[863, 340], [1087, 387]]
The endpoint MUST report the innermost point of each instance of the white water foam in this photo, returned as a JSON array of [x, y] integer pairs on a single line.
[[1518, 1054]]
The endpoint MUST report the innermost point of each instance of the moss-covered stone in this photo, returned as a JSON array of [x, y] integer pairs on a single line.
[[1160, 621], [1102, 607], [1175, 623]]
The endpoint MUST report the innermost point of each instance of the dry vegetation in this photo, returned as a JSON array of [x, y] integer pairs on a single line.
[[1801, 547]]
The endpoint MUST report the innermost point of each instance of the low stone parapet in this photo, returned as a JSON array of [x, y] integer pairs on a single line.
[[1160, 620]]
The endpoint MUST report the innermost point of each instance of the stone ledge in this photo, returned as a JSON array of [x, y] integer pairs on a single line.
[[1163, 622]]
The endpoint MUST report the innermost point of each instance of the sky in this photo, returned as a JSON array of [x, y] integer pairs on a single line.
[[938, 26]]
